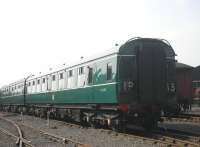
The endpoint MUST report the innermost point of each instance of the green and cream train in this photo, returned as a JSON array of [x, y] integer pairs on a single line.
[[132, 84]]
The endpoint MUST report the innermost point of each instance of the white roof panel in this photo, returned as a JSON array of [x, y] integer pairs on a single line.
[[108, 52]]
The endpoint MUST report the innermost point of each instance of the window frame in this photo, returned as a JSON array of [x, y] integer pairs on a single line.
[[33, 83], [53, 77], [70, 73], [61, 76], [38, 81], [90, 75], [81, 70], [43, 80]]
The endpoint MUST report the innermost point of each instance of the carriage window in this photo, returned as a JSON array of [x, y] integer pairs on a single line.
[[38, 81], [43, 80], [80, 71], [109, 71], [29, 83], [61, 75], [53, 77], [70, 73], [33, 82], [90, 75]]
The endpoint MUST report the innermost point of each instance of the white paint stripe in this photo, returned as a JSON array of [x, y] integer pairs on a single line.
[[98, 85]]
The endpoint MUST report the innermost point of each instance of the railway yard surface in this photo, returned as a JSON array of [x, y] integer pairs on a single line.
[[38, 132], [189, 127], [6, 141], [194, 110]]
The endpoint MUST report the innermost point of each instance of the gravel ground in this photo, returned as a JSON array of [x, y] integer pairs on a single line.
[[93, 137], [37, 139], [9, 127], [6, 141]]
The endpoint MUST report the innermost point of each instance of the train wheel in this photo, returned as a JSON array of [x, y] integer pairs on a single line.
[[118, 126]]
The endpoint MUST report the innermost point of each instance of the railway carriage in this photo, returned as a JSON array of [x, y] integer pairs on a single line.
[[132, 84], [184, 86]]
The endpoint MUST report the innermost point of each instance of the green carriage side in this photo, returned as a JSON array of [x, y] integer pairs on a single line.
[[102, 87]]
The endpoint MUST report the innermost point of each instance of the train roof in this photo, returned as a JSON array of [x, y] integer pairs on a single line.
[[183, 66], [106, 53]]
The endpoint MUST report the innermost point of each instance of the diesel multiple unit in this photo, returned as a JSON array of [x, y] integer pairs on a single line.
[[133, 84]]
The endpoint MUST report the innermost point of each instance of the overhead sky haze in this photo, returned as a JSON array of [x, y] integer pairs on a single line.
[[42, 34]]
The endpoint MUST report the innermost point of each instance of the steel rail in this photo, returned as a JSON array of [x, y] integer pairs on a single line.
[[60, 138], [166, 136], [190, 119], [161, 140], [9, 134], [158, 139], [19, 139], [193, 137], [149, 140]]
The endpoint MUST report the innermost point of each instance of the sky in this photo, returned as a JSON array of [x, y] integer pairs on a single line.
[[42, 34]]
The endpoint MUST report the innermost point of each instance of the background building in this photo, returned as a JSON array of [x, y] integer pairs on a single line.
[[196, 84]]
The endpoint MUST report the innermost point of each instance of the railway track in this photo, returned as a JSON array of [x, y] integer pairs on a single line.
[[57, 138], [37, 137], [6, 141], [166, 138], [181, 137], [183, 118], [159, 138], [20, 140]]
